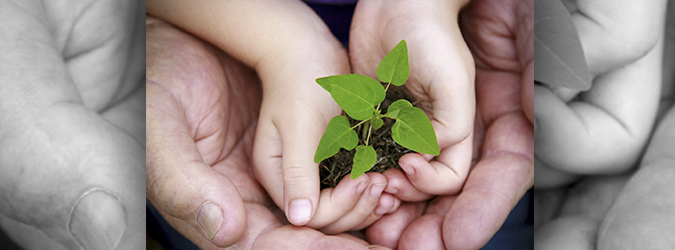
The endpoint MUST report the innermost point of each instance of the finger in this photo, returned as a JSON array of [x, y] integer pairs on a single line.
[[610, 41], [388, 230], [75, 193], [386, 204], [129, 114], [364, 207], [276, 237], [558, 233], [423, 233], [211, 205], [387, 201], [64, 168], [106, 64], [399, 186], [334, 203], [440, 205], [495, 185], [445, 175]]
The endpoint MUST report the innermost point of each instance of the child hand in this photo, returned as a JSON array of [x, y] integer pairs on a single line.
[[289, 47], [441, 75]]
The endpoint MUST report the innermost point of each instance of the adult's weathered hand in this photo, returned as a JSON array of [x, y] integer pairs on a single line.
[[71, 124], [202, 108]]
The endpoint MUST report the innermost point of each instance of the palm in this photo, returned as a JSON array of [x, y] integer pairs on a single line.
[[107, 66], [504, 49], [441, 76], [217, 111]]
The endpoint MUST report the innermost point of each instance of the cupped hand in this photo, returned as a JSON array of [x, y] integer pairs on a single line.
[[441, 76], [289, 47], [202, 111], [71, 144], [499, 34]]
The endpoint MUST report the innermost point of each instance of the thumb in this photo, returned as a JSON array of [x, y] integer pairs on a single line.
[[300, 173], [80, 185], [180, 185]]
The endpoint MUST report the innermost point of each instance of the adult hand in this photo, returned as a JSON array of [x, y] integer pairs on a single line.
[[499, 33], [71, 143], [289, 47], [441, 75], [202, 111]]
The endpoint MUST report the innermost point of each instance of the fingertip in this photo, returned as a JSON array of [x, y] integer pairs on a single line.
[[299, 211], [222, 223], [397, 204], [385, 204], [301, 194], [98, 220], [221, 228], [399, 186], [435, 177], [423, 233]]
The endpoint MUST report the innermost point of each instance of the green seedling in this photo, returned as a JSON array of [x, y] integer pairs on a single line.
[[360, 97]]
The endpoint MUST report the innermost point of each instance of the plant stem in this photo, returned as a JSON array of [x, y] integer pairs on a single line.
[[363, 133], [359, 124], [370, 129], [385, 93]]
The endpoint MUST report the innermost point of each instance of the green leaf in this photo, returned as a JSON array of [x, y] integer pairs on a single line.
[[376, 122], [364, 159], [413, 130], [558, 53], [394, 66], [356, 94], [393, 109], [338, 135]]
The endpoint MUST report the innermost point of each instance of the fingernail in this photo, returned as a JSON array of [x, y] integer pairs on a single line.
[[210, 217], [391, 189], [98, 221], [382, 210], [299, 211], [376, 189], [362, 186], [409, 170]]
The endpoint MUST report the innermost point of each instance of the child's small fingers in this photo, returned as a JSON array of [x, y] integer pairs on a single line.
[[387, 204], [334, 203], [399, 186], [363, 208], [397, 204], [445, 175]]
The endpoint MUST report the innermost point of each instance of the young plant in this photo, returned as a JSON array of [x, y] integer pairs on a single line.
[[360, 97]]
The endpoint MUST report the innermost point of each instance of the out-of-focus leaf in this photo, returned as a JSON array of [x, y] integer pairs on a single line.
[[558, 55]]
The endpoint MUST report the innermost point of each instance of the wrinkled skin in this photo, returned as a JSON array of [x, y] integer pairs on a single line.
[[641, 217], [204, 104], [71, 117]]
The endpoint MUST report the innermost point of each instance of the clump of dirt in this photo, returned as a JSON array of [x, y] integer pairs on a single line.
[[339, 166]]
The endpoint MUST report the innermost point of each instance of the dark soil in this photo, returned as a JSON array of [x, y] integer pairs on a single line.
[[333, 169]]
